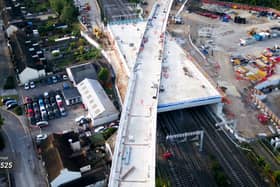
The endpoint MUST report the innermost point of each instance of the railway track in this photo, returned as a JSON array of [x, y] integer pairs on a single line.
[[184, 166], [231, 156], [186, 173]]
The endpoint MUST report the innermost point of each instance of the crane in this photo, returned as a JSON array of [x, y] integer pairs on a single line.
[[181, 9], [177, 19]]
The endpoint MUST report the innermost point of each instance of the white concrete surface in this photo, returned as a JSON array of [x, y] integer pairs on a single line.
[[182, 83], [134, 156], [128, 38]]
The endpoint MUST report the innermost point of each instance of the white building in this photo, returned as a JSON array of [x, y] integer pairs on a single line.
[[28, 74], [100, 107], [65, 176]]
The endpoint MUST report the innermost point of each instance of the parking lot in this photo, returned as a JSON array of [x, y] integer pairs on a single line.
[[58, 124]]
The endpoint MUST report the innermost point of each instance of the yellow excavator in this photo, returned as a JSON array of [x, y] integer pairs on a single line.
[[252, 31], [97, 32]]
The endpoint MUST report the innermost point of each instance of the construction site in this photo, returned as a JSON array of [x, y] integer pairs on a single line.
[[202, 77]]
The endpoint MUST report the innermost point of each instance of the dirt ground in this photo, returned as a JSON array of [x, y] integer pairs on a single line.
[[225, 42]]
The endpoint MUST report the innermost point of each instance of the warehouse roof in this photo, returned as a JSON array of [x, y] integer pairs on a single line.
[[95, 98]]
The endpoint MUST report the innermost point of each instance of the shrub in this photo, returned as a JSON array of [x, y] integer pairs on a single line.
[[108, 132], [18, 111], [10, 83]]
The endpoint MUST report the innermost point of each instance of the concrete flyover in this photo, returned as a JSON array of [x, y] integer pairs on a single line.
[[134, 156]]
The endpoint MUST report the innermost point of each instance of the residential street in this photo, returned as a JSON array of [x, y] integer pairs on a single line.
[[26, 171]]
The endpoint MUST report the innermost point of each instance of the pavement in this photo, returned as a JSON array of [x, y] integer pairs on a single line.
[[27, 169]]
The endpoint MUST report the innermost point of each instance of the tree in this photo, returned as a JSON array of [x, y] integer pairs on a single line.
[[103, 75], [276, 175], [57, 5], [68, 14]]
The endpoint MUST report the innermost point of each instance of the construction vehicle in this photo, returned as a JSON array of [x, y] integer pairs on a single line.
[[252, 31], [97, 32], [177, 19]]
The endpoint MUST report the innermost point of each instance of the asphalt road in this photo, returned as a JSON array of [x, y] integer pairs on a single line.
[[26, 171]]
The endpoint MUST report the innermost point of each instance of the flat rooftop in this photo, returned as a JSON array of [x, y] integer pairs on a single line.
[[183, 85], [128, 38]]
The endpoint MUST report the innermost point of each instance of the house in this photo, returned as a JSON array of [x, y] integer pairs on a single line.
[[100, 108], [27, 56], [80, 72], [71, 96], [71, 159]]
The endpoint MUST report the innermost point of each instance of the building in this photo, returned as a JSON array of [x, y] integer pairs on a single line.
[[100, 108], [71, 96], [71, 159], [80, 72]]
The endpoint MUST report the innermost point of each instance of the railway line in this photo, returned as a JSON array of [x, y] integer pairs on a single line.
[[216, 142], [185, 167], [235, 163]]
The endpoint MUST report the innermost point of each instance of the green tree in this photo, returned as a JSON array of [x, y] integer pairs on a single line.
[[57, 5], [276, 175], [103, 75], [267, 168], [68, 14]]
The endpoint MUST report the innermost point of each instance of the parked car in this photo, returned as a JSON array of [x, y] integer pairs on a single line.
[[54, 79], [56, 112], [26, 86], [42, 124], [41, 102], [46, 101], [35, 107], [50, 114], [99, 129], [65, 77], [52, 100], [37, 116], [44, 116], [32, 120], [11, 106], [32, 85], [4, 100], [10, 101], [62, 111], [46, 94], [58, 100], [40, 137], [49, 80]]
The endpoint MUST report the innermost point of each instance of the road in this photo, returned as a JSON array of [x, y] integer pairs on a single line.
[[235, 164], [27, 172]]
